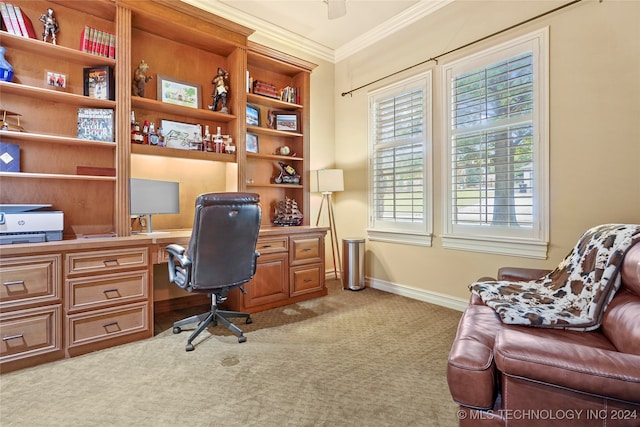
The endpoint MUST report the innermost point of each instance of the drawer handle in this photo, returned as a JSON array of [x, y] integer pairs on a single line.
[[15, 282], [12, 337], [106, 291], [106, 325], [306, 249], [266, 246], [308, 280], [108, 261]]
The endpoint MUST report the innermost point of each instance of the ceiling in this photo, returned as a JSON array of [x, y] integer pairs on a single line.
[[304, 24]]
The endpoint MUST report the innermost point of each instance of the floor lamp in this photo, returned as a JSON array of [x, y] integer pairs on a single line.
[[328, 181]]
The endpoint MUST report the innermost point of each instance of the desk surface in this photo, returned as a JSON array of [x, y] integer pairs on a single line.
[[135, 239]]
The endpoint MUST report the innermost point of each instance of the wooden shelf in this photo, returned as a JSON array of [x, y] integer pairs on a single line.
[[54, 95], [268, 131], [151, 150], [253, 98], [28, 175], [273, 157], [54, 139], [196, 113], [296, 186], [48, 50]]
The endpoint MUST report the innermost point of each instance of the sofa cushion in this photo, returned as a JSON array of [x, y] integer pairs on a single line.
[[584, 368], [621, 322]]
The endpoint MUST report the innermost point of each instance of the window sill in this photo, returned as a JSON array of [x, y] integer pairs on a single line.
[[401, 238], [519, 248]]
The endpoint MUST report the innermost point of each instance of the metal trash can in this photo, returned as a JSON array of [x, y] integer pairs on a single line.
[[353, 264]]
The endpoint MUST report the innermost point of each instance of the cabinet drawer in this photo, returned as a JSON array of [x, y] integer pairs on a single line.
[[30, 280], [305, 279], [101, 291], [32, 332], [112, 260], [305, 249], [268, 245], [105, 324], [162, 256]]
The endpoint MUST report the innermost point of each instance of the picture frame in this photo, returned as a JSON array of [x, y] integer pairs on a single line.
[[99, 83], [288, 121], [178, 134], [252, 143], [55, 80], [253, 115], [178, 92]]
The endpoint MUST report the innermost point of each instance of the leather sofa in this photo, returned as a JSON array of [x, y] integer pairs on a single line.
[[511, 375]]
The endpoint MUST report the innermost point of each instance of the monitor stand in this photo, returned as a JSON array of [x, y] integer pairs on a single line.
[[150, 231]]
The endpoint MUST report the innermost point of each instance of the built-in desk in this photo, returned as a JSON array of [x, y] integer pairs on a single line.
[[61, 299]]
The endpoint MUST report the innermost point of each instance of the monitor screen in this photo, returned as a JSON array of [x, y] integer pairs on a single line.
[[150, 197]]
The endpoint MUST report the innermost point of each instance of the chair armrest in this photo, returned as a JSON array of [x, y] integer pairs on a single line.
[[575, 366], [255, 263], [520, 274], [179, 265]]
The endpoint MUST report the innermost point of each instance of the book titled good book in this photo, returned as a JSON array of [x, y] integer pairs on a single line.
[[99, 83], [95, 124]]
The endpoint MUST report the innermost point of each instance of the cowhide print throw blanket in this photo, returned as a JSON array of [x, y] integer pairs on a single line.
[[574, 295]]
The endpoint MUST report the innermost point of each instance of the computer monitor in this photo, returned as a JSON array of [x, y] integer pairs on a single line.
[[150, 197]]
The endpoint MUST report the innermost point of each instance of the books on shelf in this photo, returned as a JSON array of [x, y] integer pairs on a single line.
[[15, 21], [98, 42], [99, 83], [265, 89], [96, 124]]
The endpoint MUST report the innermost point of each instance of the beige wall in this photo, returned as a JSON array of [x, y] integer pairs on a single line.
[[594, 129]]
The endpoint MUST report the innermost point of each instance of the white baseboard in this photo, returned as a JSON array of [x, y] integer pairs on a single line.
[[436, 298], [420, 294]]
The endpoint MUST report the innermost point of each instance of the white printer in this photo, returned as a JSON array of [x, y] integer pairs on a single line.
[[30, 223]]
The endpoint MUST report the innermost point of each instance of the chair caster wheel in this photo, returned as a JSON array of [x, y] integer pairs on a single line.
[[189, 347], [242, 339], [248, 321], [177, 329]]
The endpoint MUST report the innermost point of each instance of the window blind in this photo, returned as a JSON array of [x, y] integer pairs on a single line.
[[398, 157], [492, 133]]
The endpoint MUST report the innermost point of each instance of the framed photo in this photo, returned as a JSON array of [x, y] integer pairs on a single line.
[[178, 134], [252, 143], [99, 83], [253, 115], [286, 120], [55, 80], [178, 92]]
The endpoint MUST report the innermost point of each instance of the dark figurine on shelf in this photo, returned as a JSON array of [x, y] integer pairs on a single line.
[[50, 26], [287, 213], [288, 175], [220, 90], [140, 78]]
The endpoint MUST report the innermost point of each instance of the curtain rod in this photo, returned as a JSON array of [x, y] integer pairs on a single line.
[[435, 58]]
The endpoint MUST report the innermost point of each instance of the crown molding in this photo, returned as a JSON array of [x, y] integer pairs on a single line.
[[266, 32]]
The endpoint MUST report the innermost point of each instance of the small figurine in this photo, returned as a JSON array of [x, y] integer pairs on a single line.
[[220, 90], [50, 26], [140, 78], [288, 175]]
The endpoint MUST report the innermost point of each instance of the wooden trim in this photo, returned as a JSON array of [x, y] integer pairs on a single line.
[[168, 305]]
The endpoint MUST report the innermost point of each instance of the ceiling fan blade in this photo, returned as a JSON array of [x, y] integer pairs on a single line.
[[337, 8]]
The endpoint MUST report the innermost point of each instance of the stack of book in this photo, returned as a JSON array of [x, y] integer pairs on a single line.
[[15, 21], [289, 94], [265, 89], [98, 42]]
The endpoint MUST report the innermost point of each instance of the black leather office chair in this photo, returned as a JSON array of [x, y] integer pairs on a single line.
[[221, 255]]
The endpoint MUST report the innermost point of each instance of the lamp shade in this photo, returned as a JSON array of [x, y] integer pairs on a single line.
[[326, 181]]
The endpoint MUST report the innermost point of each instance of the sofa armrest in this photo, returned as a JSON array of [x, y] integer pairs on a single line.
[[587, 369], [521, 274]]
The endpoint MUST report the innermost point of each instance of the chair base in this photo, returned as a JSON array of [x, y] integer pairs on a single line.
[[212, 317]]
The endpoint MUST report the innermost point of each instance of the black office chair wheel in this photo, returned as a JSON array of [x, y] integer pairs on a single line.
[[177, 329], [248, 321], [189, 347], [242, 339]]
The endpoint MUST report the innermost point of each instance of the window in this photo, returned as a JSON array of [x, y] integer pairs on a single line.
[[496, 185], [400, 162]]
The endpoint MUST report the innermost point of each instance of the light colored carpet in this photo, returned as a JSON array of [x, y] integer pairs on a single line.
[[364, 358]]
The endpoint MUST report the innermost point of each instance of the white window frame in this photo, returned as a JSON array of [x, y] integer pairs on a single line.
[[532, 242], [416, 233]]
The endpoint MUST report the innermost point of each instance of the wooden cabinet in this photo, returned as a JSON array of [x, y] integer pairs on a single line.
[[31, 310], [290, 269], [106, 298]]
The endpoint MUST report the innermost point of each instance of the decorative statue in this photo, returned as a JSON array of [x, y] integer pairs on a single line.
[[50, 26], [140, 78], [288, 175], [220, 90]]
